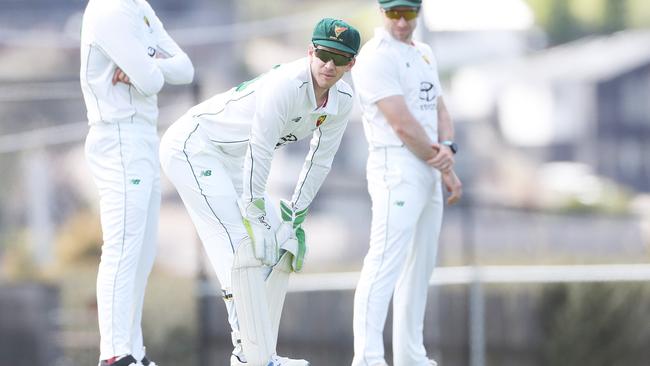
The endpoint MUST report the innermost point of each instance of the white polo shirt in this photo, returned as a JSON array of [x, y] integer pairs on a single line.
[[387, 67], [127, 34], [272, 110]]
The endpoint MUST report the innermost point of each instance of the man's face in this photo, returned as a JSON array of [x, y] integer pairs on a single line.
[[323, 62], [401, 22]]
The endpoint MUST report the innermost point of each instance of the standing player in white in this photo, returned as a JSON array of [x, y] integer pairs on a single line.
[[126, 58], [410, 136], [218, 156]]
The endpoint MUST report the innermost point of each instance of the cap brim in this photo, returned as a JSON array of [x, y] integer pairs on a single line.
[[397, 3], [335, 45]]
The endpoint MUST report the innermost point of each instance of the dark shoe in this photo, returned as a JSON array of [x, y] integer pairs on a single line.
[[127, 360], [147, 362]]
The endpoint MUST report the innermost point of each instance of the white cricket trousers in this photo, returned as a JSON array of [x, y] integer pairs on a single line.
[[406, 218], [123, 159], [208, 178]]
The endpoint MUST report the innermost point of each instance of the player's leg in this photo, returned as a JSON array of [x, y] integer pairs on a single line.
[[247, 287], [124, 178], [251, 303], [207, 192], [276, 290], [395, 210], [409, 299], [251, 300], [147, 254], [182, 156]]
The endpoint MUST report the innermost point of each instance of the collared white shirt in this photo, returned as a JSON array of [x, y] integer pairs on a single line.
[[274, 109], [387, 67], [127, 34]]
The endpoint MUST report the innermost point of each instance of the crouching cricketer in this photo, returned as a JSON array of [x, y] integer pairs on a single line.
[[218, 156]]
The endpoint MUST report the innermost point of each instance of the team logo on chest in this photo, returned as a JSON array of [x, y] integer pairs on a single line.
[[427, 91], [321, 120]]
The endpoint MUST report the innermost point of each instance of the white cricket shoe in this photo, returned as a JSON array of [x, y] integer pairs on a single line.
[[285, 361], [235, 361], [274, 361]]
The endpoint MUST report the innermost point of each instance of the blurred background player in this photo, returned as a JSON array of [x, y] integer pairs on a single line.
[[218, 156], [410, 136], [126, 58]]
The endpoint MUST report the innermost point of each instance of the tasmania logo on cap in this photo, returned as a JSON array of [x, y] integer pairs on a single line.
[[338, 30], [320, 120]]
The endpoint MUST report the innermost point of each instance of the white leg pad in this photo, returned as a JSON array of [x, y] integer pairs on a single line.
[[276, 290], [249, 295]]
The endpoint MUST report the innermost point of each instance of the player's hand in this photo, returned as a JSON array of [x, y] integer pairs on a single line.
[[291, 235], [444, 158], [120, 77], [260, 232], [453, 185]]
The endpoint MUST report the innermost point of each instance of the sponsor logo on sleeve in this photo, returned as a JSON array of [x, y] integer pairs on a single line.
[[286, 139]]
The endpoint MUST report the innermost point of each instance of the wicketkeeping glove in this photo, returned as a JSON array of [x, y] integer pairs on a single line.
[[292, 222], [260, 231]]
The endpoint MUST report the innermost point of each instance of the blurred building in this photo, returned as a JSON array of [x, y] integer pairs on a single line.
[[585, 101]]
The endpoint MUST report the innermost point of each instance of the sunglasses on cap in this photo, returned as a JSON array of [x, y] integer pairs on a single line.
[[326, 56], [407, 14]]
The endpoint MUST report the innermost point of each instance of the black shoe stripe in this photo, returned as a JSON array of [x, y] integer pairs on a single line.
[[124, 361]]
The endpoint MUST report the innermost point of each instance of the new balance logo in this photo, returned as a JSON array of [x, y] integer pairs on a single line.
[[135, 182], [399, 203], [206, 173]]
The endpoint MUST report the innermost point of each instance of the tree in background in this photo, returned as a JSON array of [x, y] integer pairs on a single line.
[[568, 20]]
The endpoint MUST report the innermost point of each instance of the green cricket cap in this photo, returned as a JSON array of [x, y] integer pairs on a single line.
[[337, 34], [387, 4]]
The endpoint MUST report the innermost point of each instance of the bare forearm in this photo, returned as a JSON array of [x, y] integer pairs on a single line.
[[415, 139], [407, 128], [445, 124]]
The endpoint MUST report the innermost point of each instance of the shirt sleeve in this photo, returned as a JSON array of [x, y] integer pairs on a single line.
[[116, 35], [271, 114], [323, 146], [176, 67], [376, 76]]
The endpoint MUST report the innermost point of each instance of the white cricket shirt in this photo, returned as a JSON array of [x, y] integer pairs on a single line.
[[387, 67], [274, 109], [127, 34]]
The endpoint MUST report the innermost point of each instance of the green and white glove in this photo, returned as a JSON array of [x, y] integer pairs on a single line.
[[292, 223], [264, 244]]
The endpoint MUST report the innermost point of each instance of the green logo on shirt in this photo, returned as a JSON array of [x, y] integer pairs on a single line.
[[135, 182], [206, 173], [399, 203]]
